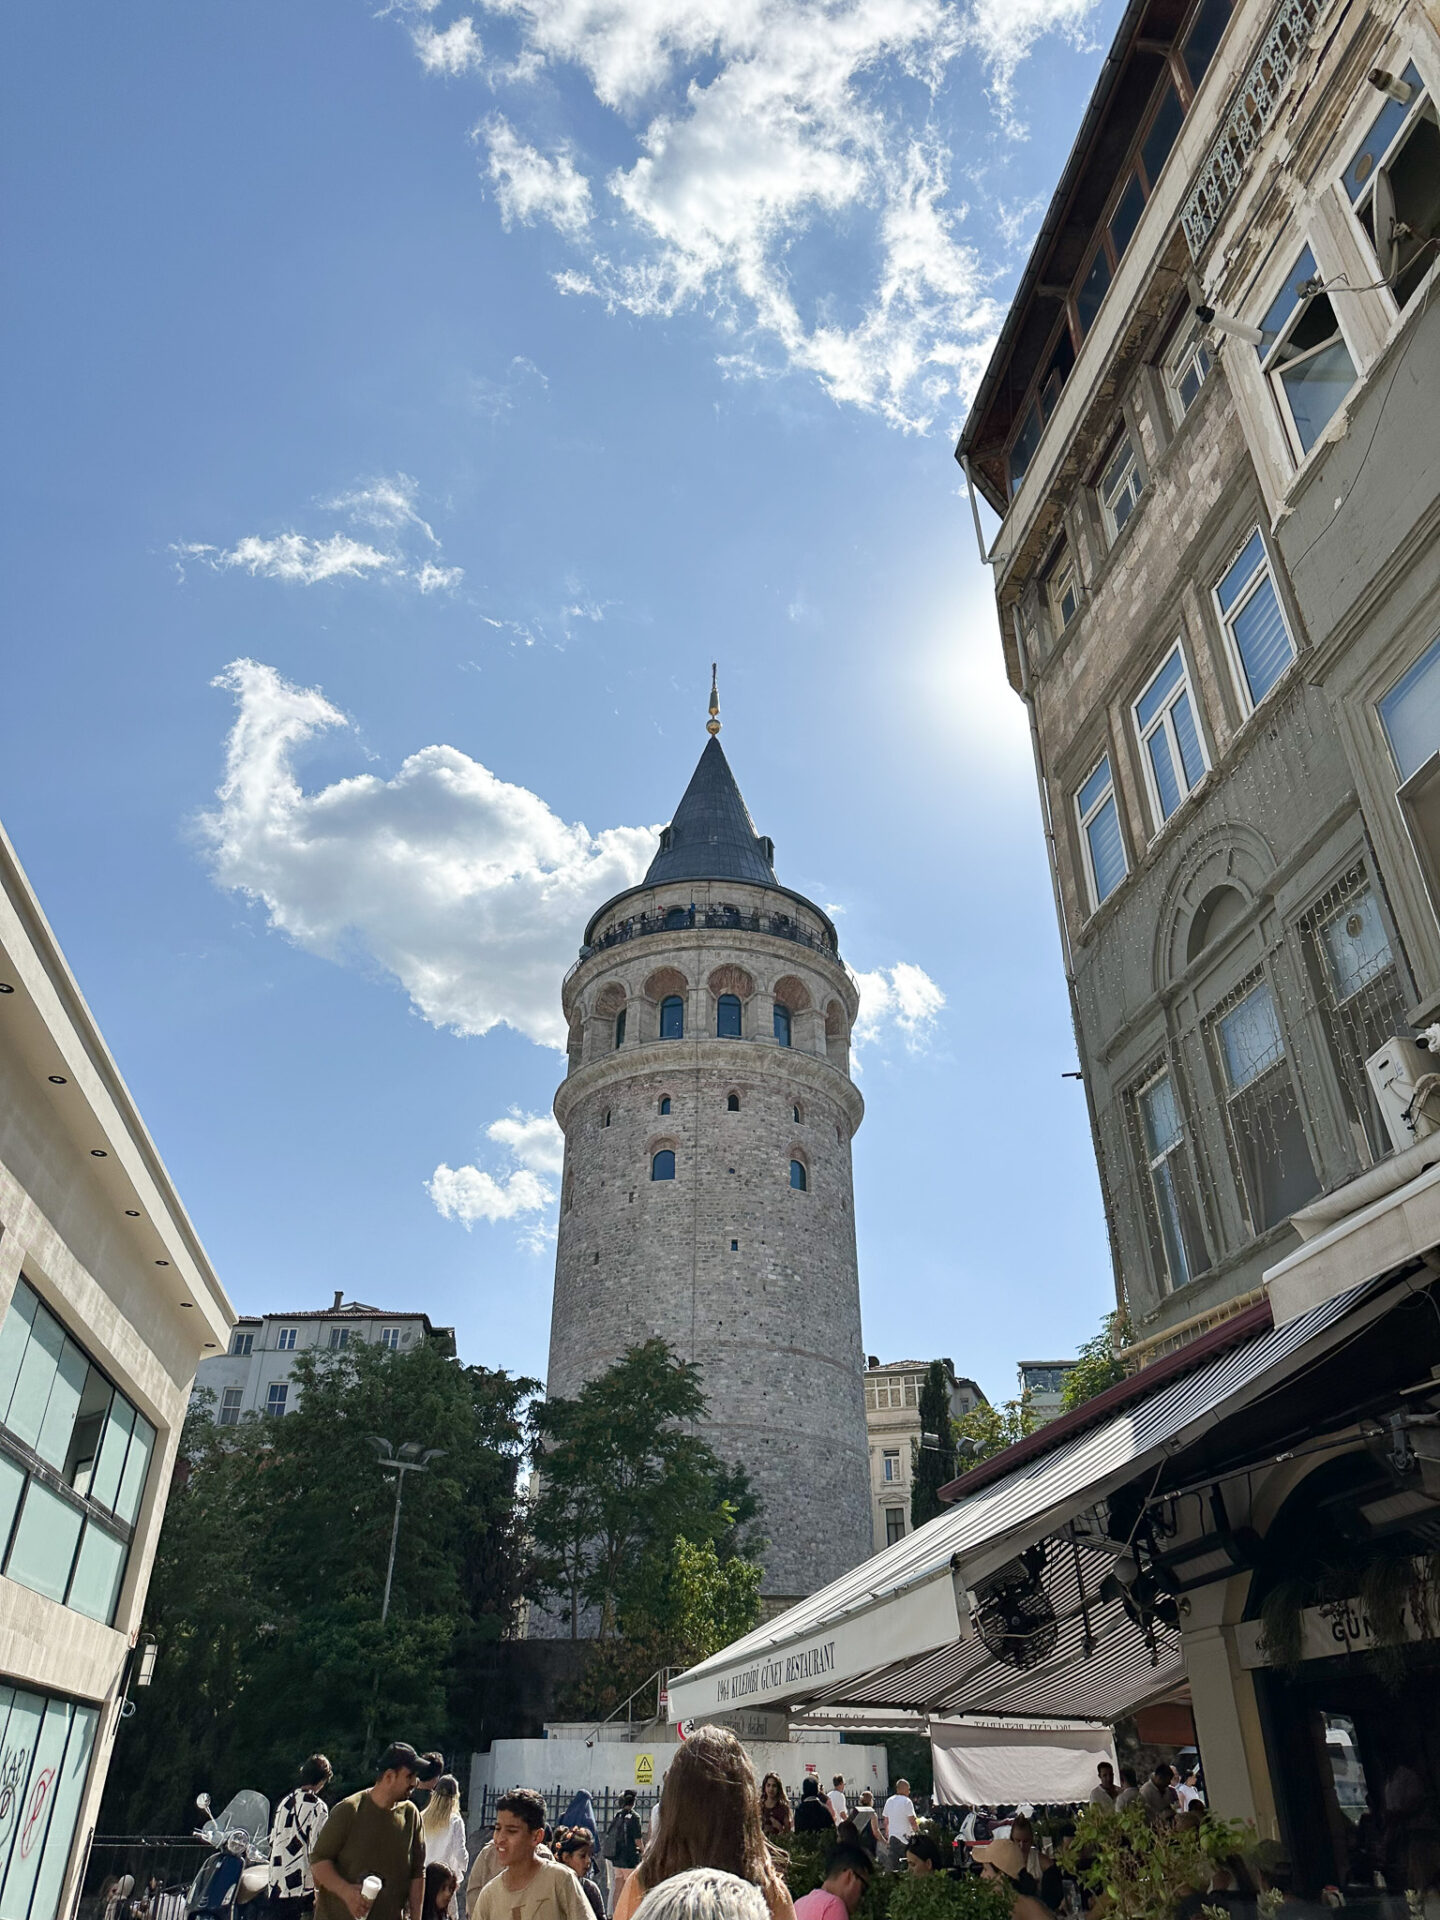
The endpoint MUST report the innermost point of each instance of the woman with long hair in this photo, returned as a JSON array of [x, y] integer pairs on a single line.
[[776, 1819], [710, 1817], [443, 1830]]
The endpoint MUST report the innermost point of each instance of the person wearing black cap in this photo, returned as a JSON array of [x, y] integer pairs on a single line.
[[375, 1834]]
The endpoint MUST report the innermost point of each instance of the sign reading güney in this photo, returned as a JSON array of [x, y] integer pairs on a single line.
[[775, 1671]]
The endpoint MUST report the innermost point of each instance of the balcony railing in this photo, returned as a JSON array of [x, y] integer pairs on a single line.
[[1250, 112], [677, 919]]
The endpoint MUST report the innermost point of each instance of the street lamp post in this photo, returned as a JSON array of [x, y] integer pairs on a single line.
[[409, 1457]]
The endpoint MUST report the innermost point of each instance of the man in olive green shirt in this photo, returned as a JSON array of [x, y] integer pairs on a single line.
[[377, 1832]]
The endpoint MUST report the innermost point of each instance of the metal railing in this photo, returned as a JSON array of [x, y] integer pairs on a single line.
[[1244, 121], [641, 925]]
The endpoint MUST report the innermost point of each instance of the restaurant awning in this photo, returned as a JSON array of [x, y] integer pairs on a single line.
[[896, 1633]]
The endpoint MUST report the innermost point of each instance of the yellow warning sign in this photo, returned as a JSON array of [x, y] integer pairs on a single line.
[[644, 1769]]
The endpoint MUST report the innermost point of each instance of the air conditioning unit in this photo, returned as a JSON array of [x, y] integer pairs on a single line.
[[1395, 1071]]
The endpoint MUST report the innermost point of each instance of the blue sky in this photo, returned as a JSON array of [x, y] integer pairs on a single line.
[[405, 406]]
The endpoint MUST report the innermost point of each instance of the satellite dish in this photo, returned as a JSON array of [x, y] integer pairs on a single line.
[[1382, 212]]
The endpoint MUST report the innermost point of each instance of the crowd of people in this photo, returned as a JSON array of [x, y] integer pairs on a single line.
[[715, 1848]]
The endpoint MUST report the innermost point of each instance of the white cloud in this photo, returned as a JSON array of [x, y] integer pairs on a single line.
[[468, 1194], [530, 185], [291, 556], [387, 502], [786, 173], [534, 1139], [453, 49], [466, 889], [901, 999], [386, 505]]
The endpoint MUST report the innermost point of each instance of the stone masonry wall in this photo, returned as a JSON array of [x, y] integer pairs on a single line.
[[727, 1262]]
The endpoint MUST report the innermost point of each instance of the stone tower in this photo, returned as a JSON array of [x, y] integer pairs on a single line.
[[708, 1112]]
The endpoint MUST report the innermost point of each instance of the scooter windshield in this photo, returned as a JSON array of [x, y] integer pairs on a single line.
[[250, 1812]]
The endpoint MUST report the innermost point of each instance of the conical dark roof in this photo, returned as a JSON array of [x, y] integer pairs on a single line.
[[712, 836]]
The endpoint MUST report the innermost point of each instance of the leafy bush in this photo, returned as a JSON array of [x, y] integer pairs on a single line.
[[939, 1896], [1146, 1870]]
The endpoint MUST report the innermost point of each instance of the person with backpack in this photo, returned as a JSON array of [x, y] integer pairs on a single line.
[[866, 1822], [622, 1844]]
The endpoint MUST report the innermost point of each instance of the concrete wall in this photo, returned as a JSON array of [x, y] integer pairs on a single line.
[[572, 1764], [774, 1320], [89, 1218]]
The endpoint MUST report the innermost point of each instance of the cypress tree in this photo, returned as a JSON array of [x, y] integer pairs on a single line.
[[934, 1465]]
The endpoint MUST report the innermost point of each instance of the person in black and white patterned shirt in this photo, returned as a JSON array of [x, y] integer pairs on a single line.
[[298, 1819]]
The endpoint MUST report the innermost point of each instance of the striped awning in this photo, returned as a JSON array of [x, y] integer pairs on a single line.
[[895, 1632]]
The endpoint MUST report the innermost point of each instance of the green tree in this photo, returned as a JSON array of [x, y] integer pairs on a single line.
[[622, 1474], [271, 1567], [934, 1460], [1099, 1364], [988, 1430]]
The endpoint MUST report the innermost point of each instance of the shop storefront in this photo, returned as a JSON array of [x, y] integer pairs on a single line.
[[1205, 1532], [45, 1748]]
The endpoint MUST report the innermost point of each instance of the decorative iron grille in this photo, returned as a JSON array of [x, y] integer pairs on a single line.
[[1246, 118]]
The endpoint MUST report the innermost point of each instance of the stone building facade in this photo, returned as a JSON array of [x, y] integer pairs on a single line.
[[706, 1196], [892, 1418], [255, 1375], [1210, 431]]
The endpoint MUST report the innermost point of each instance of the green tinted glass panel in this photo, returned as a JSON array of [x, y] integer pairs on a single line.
[[105, 1480], [17, 1751], [36, 1812], [12, 1485], [66, 1793], [14, 1338], [64, 1404], [37, 1376], [98, 1573], [137, 1465], [45, 1543]]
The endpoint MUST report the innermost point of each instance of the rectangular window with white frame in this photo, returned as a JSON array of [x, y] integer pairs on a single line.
[[242, 1343], [276, 1398], [286, 1340], [1410, 713], [1187, 365], [1100, 837], [1120, 487], [230, 1407], [1260, 643], [1267, 1132], [1062, 589], [1172, 1210], [891, 1465], [1393, 184], [1174, 753], [1304, 356], [894, 1525], [390, 1338]]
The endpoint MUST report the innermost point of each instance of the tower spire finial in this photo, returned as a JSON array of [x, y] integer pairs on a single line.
[[712, 725]]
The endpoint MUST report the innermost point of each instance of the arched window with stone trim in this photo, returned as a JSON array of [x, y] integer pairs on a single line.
[[664, 1103], [727, 1017], [575, 1043], [610, 1005], [732, 1103], [782, 1023], [799, 1176], [662, 1164], [672, 1017]]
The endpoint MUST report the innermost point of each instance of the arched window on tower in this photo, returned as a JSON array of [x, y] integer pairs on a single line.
[[620, 1028], [732, 1104], [665, 1103], [662, 1167], [727, 1017], [677, 917], [798, 1177], [782, 1023], [672, 1017]]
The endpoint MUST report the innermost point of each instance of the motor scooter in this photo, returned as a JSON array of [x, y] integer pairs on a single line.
[[237, 1873]]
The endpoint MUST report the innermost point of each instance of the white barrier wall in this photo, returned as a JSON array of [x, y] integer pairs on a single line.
[[572, 1764]]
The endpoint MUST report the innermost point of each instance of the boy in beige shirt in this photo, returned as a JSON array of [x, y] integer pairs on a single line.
[[527, 1887]]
